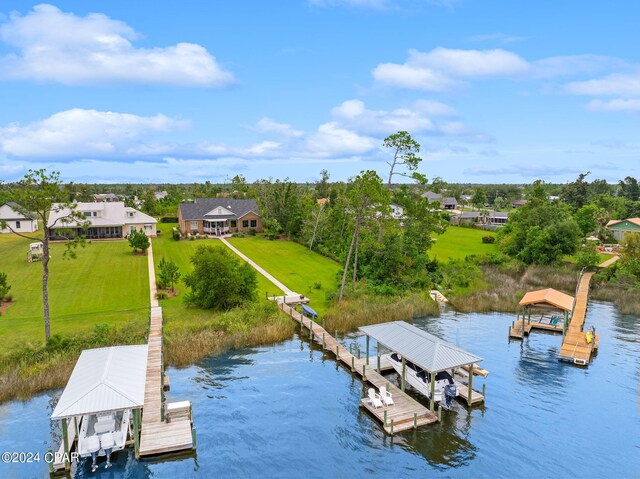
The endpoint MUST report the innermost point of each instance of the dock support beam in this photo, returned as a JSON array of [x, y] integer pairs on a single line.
[[469, 395], [65, 440], [378, 347], [136, 432], [404, 373], [367, 350], [432, 402], [564, 324]]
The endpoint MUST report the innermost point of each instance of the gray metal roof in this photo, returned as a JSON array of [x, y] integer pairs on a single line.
[[105, 379], [201, 206], [421, 348]]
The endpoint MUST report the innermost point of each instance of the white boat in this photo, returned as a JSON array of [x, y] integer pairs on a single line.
[[115, 423], [445, 389]]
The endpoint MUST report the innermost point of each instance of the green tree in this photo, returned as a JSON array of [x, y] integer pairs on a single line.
[[322, 186], [479, 198], [169, 274], [40, 194], [576, 193], [149, 203], [139, 241], [587, 256], [629, 188], [587, 218], [314, 226], [405, 151], [5, 287], [366, 198], [540, 232], [271, 227], [219, 280]]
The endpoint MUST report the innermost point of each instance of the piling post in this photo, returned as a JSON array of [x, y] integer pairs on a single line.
[[484, 390], [50, 463], [439, 413], [367, 350], [364, 375], [415, 420], [337, 351], [65, 440], [385, 418], [404, 373], [432, 399], [193, 436], [353, 365], [378, 347], [310, 330], [323, 341], [564, 324], [469, 395], [392, 427], [136, 432]]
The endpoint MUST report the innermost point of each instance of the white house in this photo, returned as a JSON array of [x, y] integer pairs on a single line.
[[397, 211], [15, 220], [107, 220]]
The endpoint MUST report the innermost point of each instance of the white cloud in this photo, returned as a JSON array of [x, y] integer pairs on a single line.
[[571, 65], [618, 84], [62, 47], [442, 68], [618, 104], [78, 132], [267, 125], [332, 140]]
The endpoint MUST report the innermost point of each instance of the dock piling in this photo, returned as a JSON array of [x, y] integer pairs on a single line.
[[439, 413], [415, 420]]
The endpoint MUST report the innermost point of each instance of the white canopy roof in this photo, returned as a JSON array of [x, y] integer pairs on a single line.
[[105, 379], [421, 348]]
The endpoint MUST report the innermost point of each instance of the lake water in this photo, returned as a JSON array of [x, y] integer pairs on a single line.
[[287, 411]]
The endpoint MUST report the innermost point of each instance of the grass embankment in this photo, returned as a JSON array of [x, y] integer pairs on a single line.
[[98, 299], [192, 333]]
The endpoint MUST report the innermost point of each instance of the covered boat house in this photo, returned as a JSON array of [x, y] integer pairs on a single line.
[[421, 350], [546, 309], [104, 396]]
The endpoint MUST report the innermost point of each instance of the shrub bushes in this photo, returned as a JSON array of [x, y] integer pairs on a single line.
[[169, 219], [489, 239]]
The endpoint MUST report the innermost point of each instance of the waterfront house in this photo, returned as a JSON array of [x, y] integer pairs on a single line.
[[496, 218], [446, 202], [219, 216], [108, 220], [16, 219], [619, 228]]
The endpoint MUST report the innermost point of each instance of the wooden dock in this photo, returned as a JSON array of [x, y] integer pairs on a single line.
[[518, 333], [406, 413], [161, 433], [575, 347]]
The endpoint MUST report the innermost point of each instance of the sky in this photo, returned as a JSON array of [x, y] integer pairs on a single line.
[[147, 91]]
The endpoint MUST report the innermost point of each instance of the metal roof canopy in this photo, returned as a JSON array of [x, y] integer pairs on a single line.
[[421, 348], [550, 296], [105, 379]]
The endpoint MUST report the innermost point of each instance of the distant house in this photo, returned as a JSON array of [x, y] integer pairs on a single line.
[[496, 218], [108, 220], [619, 228], [323, 201], [466, 198], [160, 195], [488, 218], [219, 216], [519, 203], [106, 197], [466, 218], [446, 202], [17, 221], [397, 211]]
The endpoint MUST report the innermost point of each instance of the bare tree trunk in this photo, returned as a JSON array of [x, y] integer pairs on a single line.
[[45, 283], [355, 259], [393, 165], [315, 228], [346, 267]]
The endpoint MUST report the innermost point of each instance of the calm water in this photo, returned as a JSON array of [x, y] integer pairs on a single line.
[[285, 411]]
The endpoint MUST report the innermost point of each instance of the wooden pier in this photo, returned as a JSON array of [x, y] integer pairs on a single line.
[[161, 433], [575, 347], [518, 333], [406, 413]]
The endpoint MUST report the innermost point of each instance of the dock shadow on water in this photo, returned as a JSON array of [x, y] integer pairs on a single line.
[[289, 411]]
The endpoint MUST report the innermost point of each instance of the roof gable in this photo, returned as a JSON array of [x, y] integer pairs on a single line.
[[220, 211], [633, 222], [548, 296], [201, 207]]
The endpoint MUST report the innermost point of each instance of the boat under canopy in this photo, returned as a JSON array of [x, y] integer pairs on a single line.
[[421, 348]]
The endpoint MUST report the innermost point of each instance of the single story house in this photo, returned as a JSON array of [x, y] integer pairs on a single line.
[[488, 218], [446, 202], [107, 220], [161, 195], [619, 228], [519, 203], [106, 197], [496, 218], [397, 211], [219, 216], [15, 220], [466, 218]]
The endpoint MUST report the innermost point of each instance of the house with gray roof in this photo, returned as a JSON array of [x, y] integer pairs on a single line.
[[446, 202], [219, 216], [13, 219]]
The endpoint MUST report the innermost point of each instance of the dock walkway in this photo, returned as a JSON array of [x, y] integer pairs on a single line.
[[575, 347], [160, 434], [406, 413]]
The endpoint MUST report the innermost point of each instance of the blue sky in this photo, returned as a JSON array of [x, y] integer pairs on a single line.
[[495, 91]]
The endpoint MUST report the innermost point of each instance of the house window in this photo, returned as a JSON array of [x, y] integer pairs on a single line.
[[87, 213], [233, 223], [17, 225], [194, 225], [130, 214], [245, 223], [254, 223], [95, 213], [132, 229]]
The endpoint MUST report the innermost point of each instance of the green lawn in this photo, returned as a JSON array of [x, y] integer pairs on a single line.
[[295, 266], [106, 283], [457, 242]]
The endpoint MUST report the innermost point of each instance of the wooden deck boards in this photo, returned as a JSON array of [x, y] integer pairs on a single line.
[[405, 408], [575, 347]]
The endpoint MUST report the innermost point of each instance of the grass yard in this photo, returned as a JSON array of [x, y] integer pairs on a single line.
[[106, 283], [295, 266], [457, 242]]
